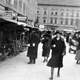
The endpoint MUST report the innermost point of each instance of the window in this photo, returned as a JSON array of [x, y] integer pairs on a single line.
[[66, 21], [55, 21], [52, 13], [15, 3], [24, 8], [37, 11], [72, 21], [56, 13], [44, 19], [77, 14], [20, 4], [62, 13], [77, 22], [61, 21], [51, 20], [45, 12]]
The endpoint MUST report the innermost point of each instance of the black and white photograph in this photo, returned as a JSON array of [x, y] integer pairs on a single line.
[[39, 39]]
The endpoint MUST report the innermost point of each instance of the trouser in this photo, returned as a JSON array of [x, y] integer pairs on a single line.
[[32, 60]]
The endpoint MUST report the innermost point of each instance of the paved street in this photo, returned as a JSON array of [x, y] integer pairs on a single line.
[[17, 68]]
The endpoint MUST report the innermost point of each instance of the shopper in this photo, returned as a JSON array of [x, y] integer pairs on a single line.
[[46, 40], [56, 60], [33, 46]]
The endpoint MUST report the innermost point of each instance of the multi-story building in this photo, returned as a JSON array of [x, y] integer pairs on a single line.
[[24, 8], [59, 12]]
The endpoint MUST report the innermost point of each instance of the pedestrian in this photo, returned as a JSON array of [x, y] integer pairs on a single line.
[[46, 40], [56, 60], [77, 57], [33, 42]]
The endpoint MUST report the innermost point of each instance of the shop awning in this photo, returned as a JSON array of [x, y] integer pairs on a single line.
[[65, 28], [10, 25]]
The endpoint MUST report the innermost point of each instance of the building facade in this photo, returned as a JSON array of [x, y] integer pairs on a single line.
[[59, 15], [20, 7]]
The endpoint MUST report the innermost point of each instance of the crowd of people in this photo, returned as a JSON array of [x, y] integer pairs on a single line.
[[52, 41]]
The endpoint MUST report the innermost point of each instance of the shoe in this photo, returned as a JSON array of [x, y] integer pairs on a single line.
[[29, 62], [58, 75], [51, 78], [33, 62], [77, 62]]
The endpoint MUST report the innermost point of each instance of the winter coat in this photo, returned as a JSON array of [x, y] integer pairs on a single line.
[[33, 42], [58, 47], [46, 46]]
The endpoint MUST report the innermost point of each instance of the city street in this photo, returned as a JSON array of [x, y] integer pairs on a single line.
[[17, 68]]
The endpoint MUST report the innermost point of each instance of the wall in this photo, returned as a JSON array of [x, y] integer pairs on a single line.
[[59, 15], [23, 7]]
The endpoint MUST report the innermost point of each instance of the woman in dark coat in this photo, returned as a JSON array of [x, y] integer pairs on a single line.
[[56, 60], [33, 46], [46, 46]]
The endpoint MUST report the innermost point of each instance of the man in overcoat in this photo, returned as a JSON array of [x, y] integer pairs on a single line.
[[33, 46], [56, 60]]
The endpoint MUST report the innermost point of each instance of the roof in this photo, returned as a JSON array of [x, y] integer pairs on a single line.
[[60, 2]]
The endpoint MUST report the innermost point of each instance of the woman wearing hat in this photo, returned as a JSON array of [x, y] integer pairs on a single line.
[[56, 60]]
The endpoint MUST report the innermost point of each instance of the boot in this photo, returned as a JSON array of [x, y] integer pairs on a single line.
[[58, 73], [77, 62], [30, 62], [33, 61], [51, 78]]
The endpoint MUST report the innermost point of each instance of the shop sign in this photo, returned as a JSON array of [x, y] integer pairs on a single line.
[[6, 14], [23, 19]]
